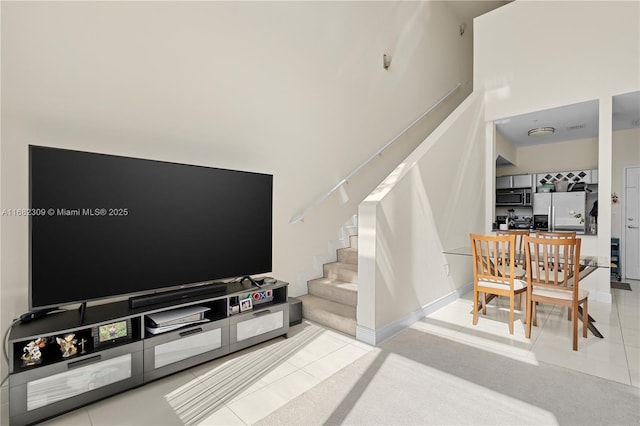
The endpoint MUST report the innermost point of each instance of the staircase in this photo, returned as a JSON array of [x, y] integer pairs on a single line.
[[332, 299]]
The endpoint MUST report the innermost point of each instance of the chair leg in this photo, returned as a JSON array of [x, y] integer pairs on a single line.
[[484, 303], [511, 306], [519, 305], [569, 314], [527, 330], [534, 313], [585, 317], [475, 307], [575, 326], [524, 307]]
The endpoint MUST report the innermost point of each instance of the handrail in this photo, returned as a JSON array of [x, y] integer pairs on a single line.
[[300, 217]]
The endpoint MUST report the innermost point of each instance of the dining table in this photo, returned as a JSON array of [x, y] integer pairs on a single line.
[[588, 265]]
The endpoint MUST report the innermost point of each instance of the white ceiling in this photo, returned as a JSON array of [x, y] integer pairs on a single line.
[[467, 10], [626, 111], [571, 122]]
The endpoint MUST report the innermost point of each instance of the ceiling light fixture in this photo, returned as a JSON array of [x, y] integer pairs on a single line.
[[541, 131]]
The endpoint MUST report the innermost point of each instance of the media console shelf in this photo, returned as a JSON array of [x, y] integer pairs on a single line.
[[116, 348]]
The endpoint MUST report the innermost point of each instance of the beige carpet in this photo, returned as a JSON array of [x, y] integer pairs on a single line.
[[421, 379]]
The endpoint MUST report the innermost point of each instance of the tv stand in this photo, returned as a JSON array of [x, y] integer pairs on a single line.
[[82, 310], [97, 367]]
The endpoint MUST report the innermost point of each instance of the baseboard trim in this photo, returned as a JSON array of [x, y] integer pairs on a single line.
[[365, 335], [380, 335]]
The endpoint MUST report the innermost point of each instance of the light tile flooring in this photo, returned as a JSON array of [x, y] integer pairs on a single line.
[[238, 389], [615, 357], [244, 387]]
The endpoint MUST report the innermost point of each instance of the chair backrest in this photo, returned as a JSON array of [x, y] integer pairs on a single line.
[[493, 258], [556, 234], [519, 244], [553, 262]]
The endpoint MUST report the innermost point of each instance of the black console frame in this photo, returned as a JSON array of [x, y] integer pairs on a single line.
[[139, 343]]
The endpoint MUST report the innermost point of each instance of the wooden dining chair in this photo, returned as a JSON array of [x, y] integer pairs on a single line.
[[557, 234], [494, 272], [553, 271], [520, 270]]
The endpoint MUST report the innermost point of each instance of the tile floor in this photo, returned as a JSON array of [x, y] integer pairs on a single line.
[[225, 391], [615, 357]]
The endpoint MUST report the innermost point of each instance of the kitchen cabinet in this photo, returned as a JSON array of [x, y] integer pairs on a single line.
[[521, 181], [580, 176], [503, 182], [513, 181], [573, 176]]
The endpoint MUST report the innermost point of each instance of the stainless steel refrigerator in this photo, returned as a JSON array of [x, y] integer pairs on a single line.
[[566, 211]]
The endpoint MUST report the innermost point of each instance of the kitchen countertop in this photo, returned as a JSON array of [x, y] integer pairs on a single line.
[[533, 231]]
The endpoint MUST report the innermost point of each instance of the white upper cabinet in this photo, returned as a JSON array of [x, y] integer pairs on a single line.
[[572, 176], [513, 181], [539, 179], [503, 182], [522, 181]]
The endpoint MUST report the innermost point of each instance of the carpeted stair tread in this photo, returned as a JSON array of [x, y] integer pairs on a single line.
[[348, 255], [328, 313], [332, 299], [334, 290]]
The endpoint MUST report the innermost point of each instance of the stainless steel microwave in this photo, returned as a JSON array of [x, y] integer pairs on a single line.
[[513, 197]]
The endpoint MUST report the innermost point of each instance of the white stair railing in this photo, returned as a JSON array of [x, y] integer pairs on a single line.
[[300, 216]]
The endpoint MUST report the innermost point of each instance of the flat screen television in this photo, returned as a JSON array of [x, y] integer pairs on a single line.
[[103, 226]]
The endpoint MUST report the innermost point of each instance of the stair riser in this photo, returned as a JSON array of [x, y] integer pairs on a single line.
[[337, 322], [333, 293], [348, 255], [341, 274]]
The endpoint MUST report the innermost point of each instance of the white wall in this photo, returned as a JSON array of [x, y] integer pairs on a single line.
[[428, 205], [534, 54], [580, 51], [505, 148], [579, 154], [626, 152], [296, 89]]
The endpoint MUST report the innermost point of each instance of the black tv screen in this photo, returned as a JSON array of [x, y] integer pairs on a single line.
[[103, 225]]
